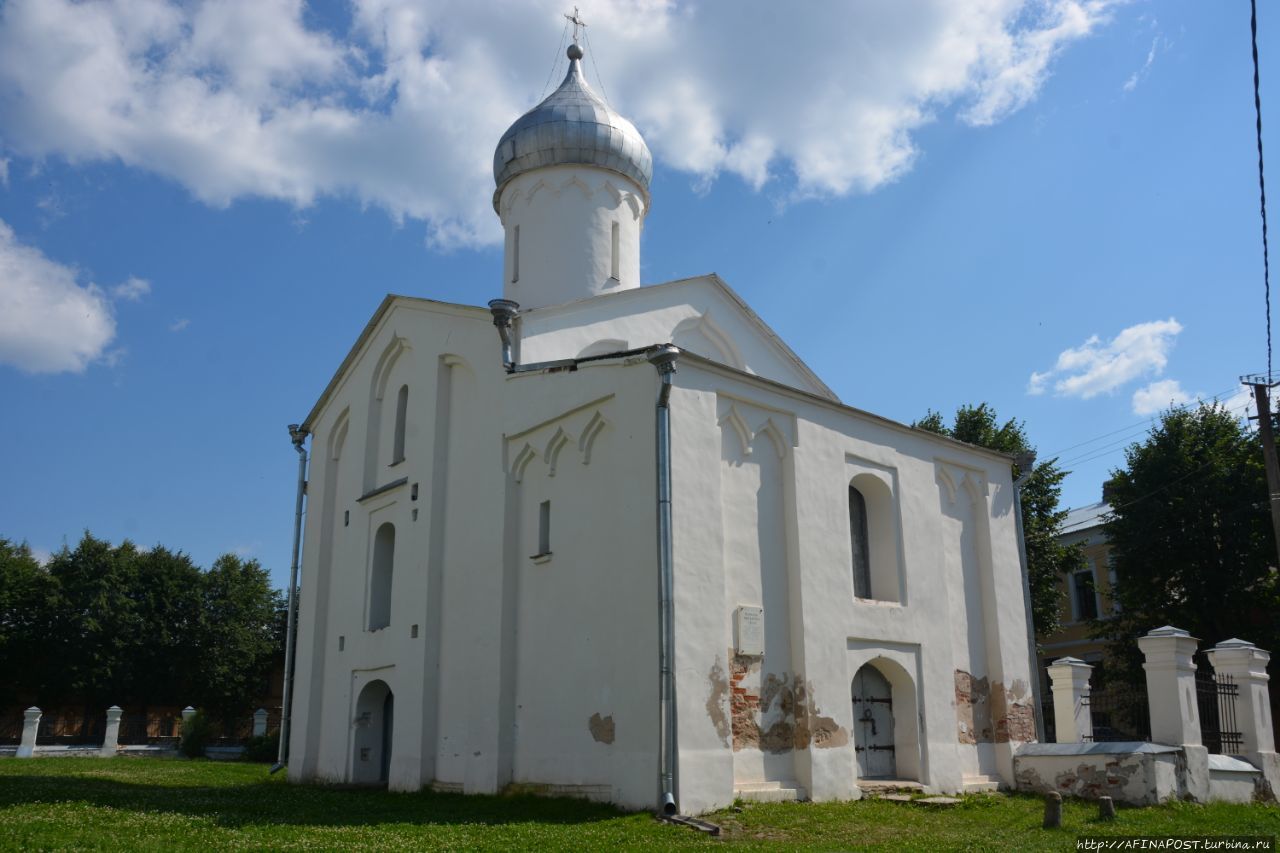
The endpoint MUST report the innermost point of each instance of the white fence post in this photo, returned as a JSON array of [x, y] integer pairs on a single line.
[[259, 722], [113, 732], [1072, 719], [1171, 695], [1246, 664], [30, 724]]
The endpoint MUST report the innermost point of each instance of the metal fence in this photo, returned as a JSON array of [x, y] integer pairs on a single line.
[[1216, 698], [75, 728], [149, 729], [10, 729], [1119, 713], [1046, 714]]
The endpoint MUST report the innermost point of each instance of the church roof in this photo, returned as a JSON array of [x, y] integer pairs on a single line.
[[573, 126]]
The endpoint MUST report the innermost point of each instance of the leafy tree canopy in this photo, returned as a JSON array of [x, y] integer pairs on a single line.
[[1047, 558], [105, 624], [1191, 536]]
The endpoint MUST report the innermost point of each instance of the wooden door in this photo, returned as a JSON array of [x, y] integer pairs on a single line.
[[873, 724]]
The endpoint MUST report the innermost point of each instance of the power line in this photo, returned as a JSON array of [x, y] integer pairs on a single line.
[[1262, 183], [1139, 425]]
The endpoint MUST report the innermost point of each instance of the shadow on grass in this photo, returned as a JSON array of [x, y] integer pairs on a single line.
[[258, 802]]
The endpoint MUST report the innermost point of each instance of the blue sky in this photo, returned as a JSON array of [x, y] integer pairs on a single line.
[[1049, 206]]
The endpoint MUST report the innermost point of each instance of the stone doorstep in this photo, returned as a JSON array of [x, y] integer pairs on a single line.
[[981, 784], [885, 788], [770, 792]]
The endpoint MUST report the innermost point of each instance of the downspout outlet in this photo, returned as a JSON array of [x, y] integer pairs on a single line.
[[504, 313]]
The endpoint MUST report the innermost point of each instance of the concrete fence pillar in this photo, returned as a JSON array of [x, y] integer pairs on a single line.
[[1246, 664], [1072, 719], [1171, 695], [187, 713], [113, 732], [260, 722], [30, 724]]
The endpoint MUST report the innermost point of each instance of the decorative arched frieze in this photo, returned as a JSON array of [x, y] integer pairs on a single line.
[[621, 197], [711, 332], [775, 435], [554, 446], [526, 455], [734, 422], [590, 433], [382, 370], [948, 483], [576, 182], [338, 435]]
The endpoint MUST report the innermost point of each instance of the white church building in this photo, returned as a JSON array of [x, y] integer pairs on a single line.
[[627, 546]]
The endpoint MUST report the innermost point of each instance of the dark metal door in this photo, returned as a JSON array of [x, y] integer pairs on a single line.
[[873, 724]]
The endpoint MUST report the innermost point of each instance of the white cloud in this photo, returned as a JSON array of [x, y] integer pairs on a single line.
[[179, 324], [1159, 396], [1096, 368], [1137, 77], [4, 172], [131, 289], [235, 98], [48, 322]]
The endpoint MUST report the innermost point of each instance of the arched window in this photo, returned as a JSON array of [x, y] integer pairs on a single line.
[[861, 548], [384, 547], [402, 408], [873, 533]]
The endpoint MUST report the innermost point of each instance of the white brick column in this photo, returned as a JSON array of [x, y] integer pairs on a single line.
[[1072, 719], [1171, 686], [1171, 695], [113, 732], [259, 722], [1246, 664], [30, 723], [187, 713]]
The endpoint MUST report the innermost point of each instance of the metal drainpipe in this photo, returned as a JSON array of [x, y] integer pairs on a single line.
[[664, 359], [1026, 463], [298, 436]]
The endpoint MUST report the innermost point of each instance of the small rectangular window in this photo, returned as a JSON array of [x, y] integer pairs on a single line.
[[544, 528], [346, 517], [342, 643], [515, 254], [616, 263], [1086, 603]]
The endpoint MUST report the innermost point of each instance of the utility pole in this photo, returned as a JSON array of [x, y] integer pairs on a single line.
[[1262, 397]]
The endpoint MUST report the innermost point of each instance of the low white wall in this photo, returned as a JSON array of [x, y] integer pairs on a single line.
[[1139, 774]]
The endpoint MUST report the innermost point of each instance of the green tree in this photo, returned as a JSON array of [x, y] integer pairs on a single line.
[[28, 601], [1190, 535], [238, 637], [1047, 558]]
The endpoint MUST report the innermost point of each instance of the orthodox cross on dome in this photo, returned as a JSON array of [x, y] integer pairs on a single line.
[[576, 20]]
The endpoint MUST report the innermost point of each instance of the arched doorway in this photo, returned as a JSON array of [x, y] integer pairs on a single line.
[[371, 745], [887, 722]]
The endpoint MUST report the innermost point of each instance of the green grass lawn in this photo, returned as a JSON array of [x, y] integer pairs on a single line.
[[140, 803]]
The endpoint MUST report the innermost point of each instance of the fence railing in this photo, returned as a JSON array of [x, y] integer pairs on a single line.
[[1119, 713], [72, 729], [1216, 699], [11, 730], [149, 729]]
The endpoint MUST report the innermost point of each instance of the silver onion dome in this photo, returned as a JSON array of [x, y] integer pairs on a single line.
[[573, 126]]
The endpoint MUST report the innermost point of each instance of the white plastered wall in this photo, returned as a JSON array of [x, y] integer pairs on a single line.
[[566, 217], [830, 632]]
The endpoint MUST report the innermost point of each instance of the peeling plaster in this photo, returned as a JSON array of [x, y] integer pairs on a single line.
[[782, 717], [993, 713], [601, 728], [716, 701]]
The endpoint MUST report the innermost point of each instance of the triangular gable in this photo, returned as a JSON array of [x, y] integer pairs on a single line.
[[702, 314]]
